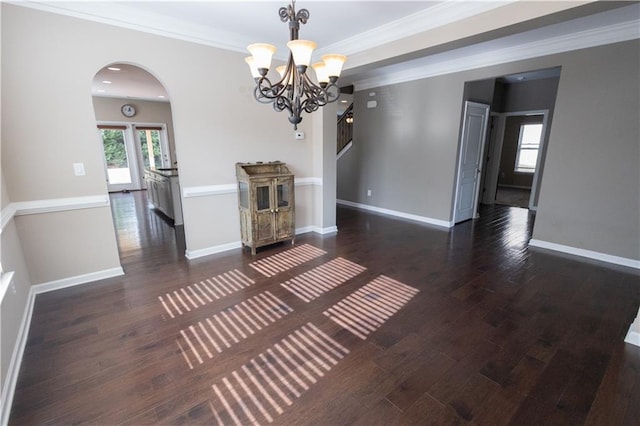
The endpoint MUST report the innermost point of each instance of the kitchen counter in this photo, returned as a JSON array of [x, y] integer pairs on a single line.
[[167, 172], [163, 191]]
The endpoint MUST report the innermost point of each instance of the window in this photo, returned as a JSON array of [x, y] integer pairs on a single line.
[[528, 146]]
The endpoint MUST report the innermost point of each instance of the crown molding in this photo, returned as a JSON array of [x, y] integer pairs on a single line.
[[441, 14], [462, 60], [118, 14]]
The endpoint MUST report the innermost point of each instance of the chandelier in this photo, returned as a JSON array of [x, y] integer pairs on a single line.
[[295, 91]]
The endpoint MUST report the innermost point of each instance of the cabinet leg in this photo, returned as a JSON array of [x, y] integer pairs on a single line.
[[253, 251]]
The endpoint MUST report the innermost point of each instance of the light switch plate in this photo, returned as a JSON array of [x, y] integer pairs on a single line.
[[78, 169]]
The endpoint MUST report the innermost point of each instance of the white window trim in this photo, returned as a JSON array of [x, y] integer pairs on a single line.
[[523, 170]]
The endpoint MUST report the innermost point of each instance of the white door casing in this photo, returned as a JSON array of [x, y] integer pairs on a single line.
[[493, 166], [472, 140]]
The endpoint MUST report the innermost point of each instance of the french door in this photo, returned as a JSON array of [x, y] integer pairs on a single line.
[[128, 149], [153, 146]]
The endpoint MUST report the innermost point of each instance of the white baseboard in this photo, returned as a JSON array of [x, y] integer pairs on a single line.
[[327, 230], [77, 280], [9, 386], [344, 150], [528, 188], [603, 257], [633, 338], [423, 219], [194, 254]]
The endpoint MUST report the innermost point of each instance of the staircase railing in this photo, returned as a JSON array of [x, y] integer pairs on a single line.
[[345, 128]]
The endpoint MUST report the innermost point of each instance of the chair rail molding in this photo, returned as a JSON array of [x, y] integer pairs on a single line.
[[232, 188]]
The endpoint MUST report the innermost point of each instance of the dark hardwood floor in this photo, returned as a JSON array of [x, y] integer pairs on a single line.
[[386, 322]]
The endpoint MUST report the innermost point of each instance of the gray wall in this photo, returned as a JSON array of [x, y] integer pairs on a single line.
[[590, 197], [526, 96], [405, 150], [402, 149], [481, 91]]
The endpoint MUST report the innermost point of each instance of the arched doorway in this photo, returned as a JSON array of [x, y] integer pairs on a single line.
[[134, 127]]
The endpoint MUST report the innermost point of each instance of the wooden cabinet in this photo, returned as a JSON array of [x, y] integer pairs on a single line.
[[266, 202]]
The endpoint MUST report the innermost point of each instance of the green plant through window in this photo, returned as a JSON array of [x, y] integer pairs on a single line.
[[115, 152], [152, 135]]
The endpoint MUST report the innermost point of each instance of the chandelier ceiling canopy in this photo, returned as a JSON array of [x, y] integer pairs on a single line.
[[295, 92]]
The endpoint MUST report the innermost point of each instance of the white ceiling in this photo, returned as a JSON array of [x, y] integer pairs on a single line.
[[354, 26]]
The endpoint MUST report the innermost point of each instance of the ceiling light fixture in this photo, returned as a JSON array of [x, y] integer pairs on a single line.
[[295, 91], [113, 68]]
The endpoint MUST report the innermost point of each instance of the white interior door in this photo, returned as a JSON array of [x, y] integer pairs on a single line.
[[474, 130]]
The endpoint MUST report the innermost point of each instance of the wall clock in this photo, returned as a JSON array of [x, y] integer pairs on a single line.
[[128, 110]]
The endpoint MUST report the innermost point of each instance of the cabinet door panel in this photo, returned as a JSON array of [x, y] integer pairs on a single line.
[[264, 229], [263, 214], [284, 224]]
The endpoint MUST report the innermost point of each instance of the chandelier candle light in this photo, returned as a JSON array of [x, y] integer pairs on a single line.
[[295, 91]]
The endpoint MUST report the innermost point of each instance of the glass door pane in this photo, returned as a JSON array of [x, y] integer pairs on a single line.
[[262, 198], [282, 194], [150, 146], [115, 154]]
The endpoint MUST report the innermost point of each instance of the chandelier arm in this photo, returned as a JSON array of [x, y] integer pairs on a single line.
[[282, 103], [269, 90], [260, 97], [314, 93], [333, 92]]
